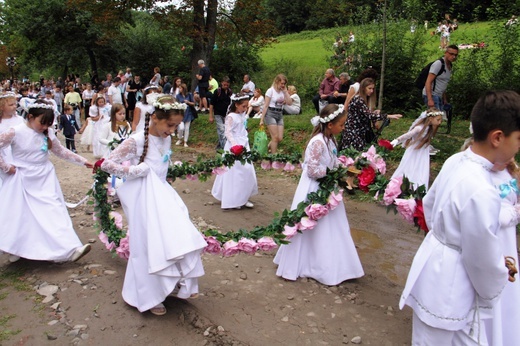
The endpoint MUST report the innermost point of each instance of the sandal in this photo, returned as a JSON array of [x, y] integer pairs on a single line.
[[158, 310]]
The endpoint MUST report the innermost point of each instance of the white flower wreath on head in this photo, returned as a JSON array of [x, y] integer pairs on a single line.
[[151, 87], [7, 94], [169, 106], [315, 121], [434, 113], [238, 97], [40, 105]]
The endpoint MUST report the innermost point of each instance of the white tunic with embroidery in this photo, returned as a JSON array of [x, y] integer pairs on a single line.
[[165, 246], [238, 184], [459, 266], [502, 328], [326, 253], [35, 221]]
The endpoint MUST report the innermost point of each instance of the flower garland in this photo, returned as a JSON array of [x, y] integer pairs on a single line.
[[284, 226]]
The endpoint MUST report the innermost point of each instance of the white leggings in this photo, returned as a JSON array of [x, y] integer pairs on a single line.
[[183, 131]]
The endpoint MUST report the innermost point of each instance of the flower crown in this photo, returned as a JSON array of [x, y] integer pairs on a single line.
[[151, 87], [7, 94], [169, 106], [238, 97], [315, 121], [40, 105], [434, 113]]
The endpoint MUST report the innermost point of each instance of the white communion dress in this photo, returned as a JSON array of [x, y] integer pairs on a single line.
[[165, 246], [238, 184], [327, 252], [35, 222], [415, 163]]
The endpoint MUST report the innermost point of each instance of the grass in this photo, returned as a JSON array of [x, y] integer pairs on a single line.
[[5, 332]]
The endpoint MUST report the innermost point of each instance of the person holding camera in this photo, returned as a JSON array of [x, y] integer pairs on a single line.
[[73, 99]]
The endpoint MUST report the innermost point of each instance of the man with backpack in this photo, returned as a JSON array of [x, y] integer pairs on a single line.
[[434, 79], [439, 74]]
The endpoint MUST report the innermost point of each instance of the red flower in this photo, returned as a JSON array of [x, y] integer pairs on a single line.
[[237, 150], [385, 144], [418, 216], [97, 165], [366, 177]]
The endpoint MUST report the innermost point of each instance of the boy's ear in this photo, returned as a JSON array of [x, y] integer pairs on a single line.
[[495, 137]]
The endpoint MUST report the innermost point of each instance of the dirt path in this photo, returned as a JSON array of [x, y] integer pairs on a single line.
[[242, 301]]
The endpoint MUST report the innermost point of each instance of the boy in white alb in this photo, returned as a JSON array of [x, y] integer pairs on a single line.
[[459, 270]]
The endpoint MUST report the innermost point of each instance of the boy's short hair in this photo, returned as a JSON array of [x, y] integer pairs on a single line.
[[495, 110], [48, 92], [67, 108]]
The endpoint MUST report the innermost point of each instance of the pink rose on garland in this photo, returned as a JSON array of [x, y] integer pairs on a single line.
[[108, 244], [366, 177], [118, 219], [393, 190], [230, 248], [335, 199], [219, 170], [290, 231], [306, 224], [380, 164], [123, 250], [345, 161], [406, 207], [247, 245], [213, 246], [370, 154], [265, 165], [192, 177], [237, 150], [266, 244], [289, 167], [316, 211], [385, 144], [278, 165]]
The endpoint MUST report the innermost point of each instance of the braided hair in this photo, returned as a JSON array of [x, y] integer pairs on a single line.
[[160, 114]]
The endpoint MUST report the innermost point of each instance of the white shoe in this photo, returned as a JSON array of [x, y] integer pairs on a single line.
[[80, 252], [178, 142], [249, 205], [13, 258], [186, 145]]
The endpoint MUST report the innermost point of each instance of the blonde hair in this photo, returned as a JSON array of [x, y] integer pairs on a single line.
[[428, 131], [3, 102], [291, 88]]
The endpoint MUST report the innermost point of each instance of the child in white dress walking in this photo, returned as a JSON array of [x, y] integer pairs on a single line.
[[415, 163], [8, 119], [42, 230], [238, 184], [327, 252], [117, 129], [164, 255], [99, 116]]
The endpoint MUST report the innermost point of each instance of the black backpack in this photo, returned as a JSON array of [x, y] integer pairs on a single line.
[[423, 76]]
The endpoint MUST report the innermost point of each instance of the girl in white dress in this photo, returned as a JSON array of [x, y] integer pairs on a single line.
[[415, 163], [99, 115], [501, 329], [238, 184], [327, 252], [144, 106], [8, 119], [164, 255], [42, 230], [117, 129], [86, 132]]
